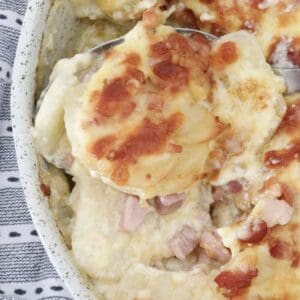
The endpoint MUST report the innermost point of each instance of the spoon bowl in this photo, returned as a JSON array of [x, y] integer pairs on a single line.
[[290, 75]]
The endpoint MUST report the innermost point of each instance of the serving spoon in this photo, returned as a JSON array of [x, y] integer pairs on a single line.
[[290, 75]]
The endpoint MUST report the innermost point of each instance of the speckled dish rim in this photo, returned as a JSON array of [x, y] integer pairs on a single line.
[[22, 107]]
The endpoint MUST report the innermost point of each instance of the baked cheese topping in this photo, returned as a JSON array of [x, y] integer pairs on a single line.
[[272, 22], [135, 124]]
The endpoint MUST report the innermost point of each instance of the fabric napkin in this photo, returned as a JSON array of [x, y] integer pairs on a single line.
[[25, 270]]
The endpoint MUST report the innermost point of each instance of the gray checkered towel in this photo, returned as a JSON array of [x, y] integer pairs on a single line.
[[25, 271]]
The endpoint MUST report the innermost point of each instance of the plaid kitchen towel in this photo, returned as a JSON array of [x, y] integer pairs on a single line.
[[25, 270]]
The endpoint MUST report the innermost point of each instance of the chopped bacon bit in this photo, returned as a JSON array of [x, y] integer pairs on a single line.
[[186, 18], [184, 242], [213, 247], [234, 187], [133, 214], [276, 159], [178, 58], [280, 249], [45, 189], [291, 120], [133, 59], [253, 231], [167, 204], [101, 147], [175, 148], [274, 211], [234, 281], [224, 192], [173, 74], [226, 54]]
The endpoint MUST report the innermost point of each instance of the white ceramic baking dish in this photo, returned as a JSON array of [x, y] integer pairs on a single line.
[[22, 108]]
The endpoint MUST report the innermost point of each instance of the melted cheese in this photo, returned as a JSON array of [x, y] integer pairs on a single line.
[[145, 143], [121, 262], [250, 104], [49, 131]]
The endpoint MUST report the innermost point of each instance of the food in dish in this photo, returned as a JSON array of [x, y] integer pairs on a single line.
[[183, 157]]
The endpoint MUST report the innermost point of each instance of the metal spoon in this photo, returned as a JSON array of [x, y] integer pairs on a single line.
[[290, 75]]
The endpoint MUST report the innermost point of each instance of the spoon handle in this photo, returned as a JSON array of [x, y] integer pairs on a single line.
[[291, 77]]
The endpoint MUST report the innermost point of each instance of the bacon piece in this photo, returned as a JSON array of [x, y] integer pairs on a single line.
[[253, 231], [167, 204], [45, 189], [184, 242], [277, 159], [280, 249], [234, 187], [222, 193], [213, 247], [174, 148], [275, 212], [234, 281], [186, 18], [133, 214], [291, 120]]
